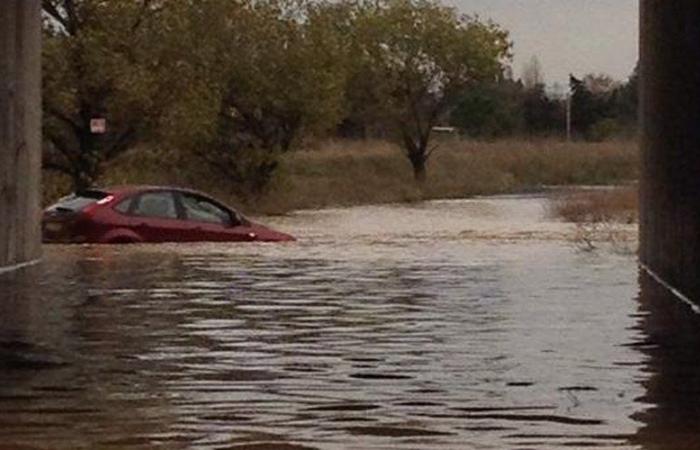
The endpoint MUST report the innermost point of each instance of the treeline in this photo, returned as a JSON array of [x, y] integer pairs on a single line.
[[599, 108], [238, 83]]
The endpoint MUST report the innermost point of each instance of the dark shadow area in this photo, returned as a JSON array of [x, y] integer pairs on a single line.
[[58, 388], [673, 382], [28, 337]]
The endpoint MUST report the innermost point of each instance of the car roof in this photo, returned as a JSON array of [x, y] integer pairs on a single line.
[[133, 189], [136, 189], [124, 190]]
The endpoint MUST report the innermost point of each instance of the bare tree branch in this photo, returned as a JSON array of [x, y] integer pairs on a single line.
[[63, 12], [62, 148], [63, 118], [50, 8], [122, 142], [431, 151], [73, 22], [56, 167]]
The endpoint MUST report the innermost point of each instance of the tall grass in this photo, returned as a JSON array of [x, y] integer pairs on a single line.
[[602, 217], [336, 173], [345, 173], [618, 205]]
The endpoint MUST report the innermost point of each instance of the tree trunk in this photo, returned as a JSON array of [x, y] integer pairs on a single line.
[[417, 153], [82, 182], [419, 170]]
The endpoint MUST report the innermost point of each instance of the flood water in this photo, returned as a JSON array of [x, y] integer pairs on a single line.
[[453, 325]]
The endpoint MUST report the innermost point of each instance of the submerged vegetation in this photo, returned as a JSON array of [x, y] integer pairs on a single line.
[[601, 216], [619, 205]]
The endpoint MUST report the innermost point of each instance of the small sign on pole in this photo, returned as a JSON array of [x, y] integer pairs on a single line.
[[98, 126]]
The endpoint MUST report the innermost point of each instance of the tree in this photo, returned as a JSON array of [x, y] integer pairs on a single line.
[[421, 56], [626, 101], [599, 105], [98, 62], [542, 114], [279, 76], [532, 76], [600, 84], [587, 108], [490, 110]]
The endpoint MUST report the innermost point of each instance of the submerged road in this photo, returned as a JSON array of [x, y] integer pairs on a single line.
[[453, 324]]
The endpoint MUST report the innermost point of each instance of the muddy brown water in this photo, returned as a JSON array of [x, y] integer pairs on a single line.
[[454, 324]]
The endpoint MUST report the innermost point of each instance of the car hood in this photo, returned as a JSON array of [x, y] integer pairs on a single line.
[[265, 233]]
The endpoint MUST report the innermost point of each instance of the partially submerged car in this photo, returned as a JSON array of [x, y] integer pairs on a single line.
[[136, 214]]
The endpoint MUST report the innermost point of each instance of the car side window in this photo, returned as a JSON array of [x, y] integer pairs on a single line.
[[156, 204], [202, 210], [124, 205]]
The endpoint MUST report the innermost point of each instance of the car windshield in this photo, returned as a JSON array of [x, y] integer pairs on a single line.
[[78, 201]]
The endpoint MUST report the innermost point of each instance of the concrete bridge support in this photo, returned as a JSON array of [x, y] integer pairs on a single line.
[[20, 132], [670, 185]]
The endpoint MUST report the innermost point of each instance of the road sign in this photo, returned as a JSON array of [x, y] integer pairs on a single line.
[[98, 126]]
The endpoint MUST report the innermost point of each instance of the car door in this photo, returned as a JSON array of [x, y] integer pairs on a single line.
[[154, 217], [209, 221]]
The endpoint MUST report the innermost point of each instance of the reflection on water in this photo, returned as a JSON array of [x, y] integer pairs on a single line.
[[468, 324], [672, 380]]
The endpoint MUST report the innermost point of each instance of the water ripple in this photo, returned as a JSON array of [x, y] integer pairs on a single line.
[[468, 324]]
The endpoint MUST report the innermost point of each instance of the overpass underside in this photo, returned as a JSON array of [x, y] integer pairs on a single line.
[[20, 132], [670, 114]]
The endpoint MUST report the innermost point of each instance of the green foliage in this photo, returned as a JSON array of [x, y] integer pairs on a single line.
[[415, 57], [98, 63], [542, 114], [239, 84], [509, 108], [586, 107], [274, 77], [603, 108], [626, 101], [490, 110]]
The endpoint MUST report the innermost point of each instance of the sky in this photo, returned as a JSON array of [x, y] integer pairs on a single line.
[[567, 36]]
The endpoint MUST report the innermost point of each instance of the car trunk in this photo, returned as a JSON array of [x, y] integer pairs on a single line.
[[62, 221]]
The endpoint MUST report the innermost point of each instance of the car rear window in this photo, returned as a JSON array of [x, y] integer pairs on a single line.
[[78, 201], [124, 206]]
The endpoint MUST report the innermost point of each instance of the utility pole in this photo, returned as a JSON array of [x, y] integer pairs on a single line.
[[568, 116]]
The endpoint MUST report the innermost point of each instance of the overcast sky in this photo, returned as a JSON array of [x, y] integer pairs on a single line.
[[567, 36]]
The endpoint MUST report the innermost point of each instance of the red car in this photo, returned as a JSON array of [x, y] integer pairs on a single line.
[[148, 214]]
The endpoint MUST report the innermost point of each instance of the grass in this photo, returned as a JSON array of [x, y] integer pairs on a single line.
[[342, 173], [347, 173], [618, 205]]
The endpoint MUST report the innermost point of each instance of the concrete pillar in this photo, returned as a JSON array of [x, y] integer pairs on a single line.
[[20, 131], [670, 115]]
